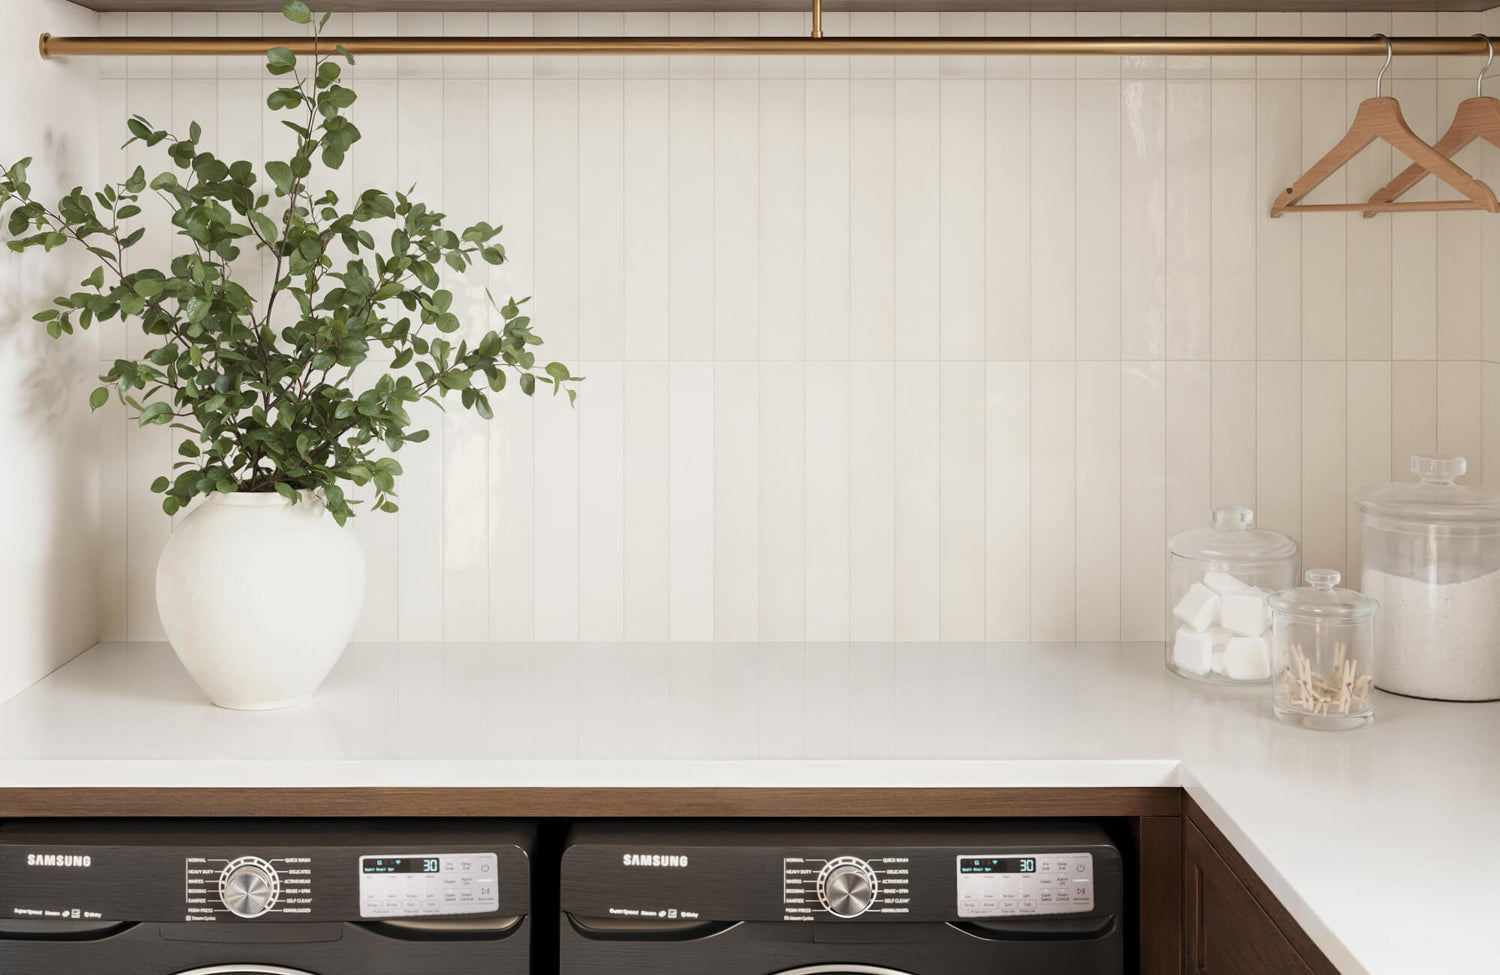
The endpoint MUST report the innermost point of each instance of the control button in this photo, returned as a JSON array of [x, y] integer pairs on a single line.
[[989, 906], [846, 887], [248, 887], [485, 867]]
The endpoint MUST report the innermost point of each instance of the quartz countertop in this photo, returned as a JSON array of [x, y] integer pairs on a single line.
[[1380, 842]]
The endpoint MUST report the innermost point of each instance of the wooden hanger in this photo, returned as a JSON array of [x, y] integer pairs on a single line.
[[1381, 118], [1476, 118]]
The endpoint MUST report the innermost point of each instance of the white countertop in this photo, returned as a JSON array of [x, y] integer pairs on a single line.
[[1380, 841]]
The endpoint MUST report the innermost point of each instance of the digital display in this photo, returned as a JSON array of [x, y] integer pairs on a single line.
[[400, 865], [998, 865]]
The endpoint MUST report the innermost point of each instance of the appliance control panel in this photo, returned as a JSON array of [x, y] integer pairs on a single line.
[[1017, 885], [248, 887], [427, 884], [816, 888]]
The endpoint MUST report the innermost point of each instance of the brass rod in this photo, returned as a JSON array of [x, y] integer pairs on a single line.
[[984, 46], [817, 18]]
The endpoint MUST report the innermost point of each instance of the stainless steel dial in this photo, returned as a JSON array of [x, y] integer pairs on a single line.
[[846, 887], [249, 887]]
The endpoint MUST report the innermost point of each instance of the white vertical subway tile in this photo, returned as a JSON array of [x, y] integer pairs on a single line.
[[1007, 23], [1418, 23], [782, 209], [555, 726], [647, 501], [872, 217], [1143, 220], [1489, 426], [647, 731], [1278, 453], [1232, 434], [783, 538], [601, 501], [691, 493], [114, 519], [1368, 269], [142, 23], [1188, 23], [872, 500], [961, 480], [654, 23], [647, 258], [1324, 23], [1147, 23], [1098, 241], [829, 668], [601, 701], [1277, 23], [455, 24], [602, 240], [1143, 500], [512, 537], [1414, 414], [783, 681], [1324, 242], [1414, 238], [736, 700], [1189, 215], [1054, 490], [783, 23], [1234, 208], [1459, 418], [917, 500], [966, 23], [1098, 23], [690, 277], [601, 23], [736, 23], [555, 23], [1460, 262], [420, 533], [1053, 23], [918, 207], [1189, 455], [1098, 468], [148, 452], [1278, 242], [1368, 447], [827, 208], [916, 23], [828, 486], [736, 219], [961, 242], [503, 24], [555, 519], [872, 23], [1232, 23], [1054, 229], [1007, 487], [413, 23], [736, 500], [1007, 199], [1490, 254], [691, 698], [690, 23], [1324, 465]]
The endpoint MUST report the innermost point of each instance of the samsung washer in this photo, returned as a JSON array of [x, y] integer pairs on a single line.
[[265, 897], [829, 898]]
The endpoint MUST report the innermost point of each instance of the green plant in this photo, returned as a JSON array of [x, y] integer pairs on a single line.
[[271, 407]]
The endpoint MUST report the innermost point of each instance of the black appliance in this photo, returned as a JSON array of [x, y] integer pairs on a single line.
[[757, 898], [264, 897]]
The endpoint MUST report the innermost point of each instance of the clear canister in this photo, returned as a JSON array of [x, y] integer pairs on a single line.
[[1222, 578], [1323, 654], [1431, 558]]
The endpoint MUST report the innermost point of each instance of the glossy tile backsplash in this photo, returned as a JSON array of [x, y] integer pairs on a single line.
[[878, 349]]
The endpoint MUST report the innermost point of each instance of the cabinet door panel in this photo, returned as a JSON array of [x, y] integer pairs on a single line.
[[1227, 931]]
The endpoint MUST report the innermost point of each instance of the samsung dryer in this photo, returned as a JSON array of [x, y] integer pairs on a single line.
[[265, 897], [837, 898]]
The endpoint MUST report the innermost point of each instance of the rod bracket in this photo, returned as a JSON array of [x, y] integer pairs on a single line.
[[41, 46]]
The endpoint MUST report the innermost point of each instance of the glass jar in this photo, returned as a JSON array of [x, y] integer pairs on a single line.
[[1431, 557], [1323, 654], [1222, 579]]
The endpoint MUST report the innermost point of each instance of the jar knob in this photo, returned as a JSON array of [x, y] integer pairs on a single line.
[[1233, 517], [1325, 579], [1439, 470]]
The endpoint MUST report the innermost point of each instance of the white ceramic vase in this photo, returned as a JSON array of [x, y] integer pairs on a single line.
[[259, 597]]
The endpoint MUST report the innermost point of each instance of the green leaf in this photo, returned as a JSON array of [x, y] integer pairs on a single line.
[[280, 60], [297, 12], [98, 398], [171, 505], [287, 491], [157, 413], [281, 175], [159, 485]]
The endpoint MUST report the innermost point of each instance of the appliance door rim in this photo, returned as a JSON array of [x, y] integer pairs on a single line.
[[834, 970], [245, 969]]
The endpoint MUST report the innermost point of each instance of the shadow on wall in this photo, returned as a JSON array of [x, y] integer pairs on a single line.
[[48, 439]]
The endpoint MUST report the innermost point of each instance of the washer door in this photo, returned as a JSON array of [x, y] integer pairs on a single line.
[[843, 970], [244, 970]]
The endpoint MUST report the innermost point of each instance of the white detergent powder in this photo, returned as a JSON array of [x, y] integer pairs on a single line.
[[1437, 640]]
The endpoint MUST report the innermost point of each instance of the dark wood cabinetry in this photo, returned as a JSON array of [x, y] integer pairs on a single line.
[[1232, 924]]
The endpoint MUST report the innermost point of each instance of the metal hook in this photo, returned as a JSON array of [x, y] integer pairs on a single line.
[[1390, 55], [1479, 85]]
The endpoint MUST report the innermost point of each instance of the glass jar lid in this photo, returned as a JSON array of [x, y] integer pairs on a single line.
[[1234, 539], [1434, 497], [1322, 599]]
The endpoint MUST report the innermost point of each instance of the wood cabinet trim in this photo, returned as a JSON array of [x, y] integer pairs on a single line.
[[542, 803], [1312, 956]]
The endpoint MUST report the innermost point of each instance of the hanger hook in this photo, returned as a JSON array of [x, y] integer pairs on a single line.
[[1479, 85], [1390, 55]]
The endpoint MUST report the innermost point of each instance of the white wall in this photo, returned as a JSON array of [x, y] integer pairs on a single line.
[[49, 519], [881, 349]]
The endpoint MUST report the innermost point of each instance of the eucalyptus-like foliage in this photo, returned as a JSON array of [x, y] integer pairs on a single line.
[[264, 387]]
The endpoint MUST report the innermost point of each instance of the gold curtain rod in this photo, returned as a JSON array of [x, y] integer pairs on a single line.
[[53, 47]]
